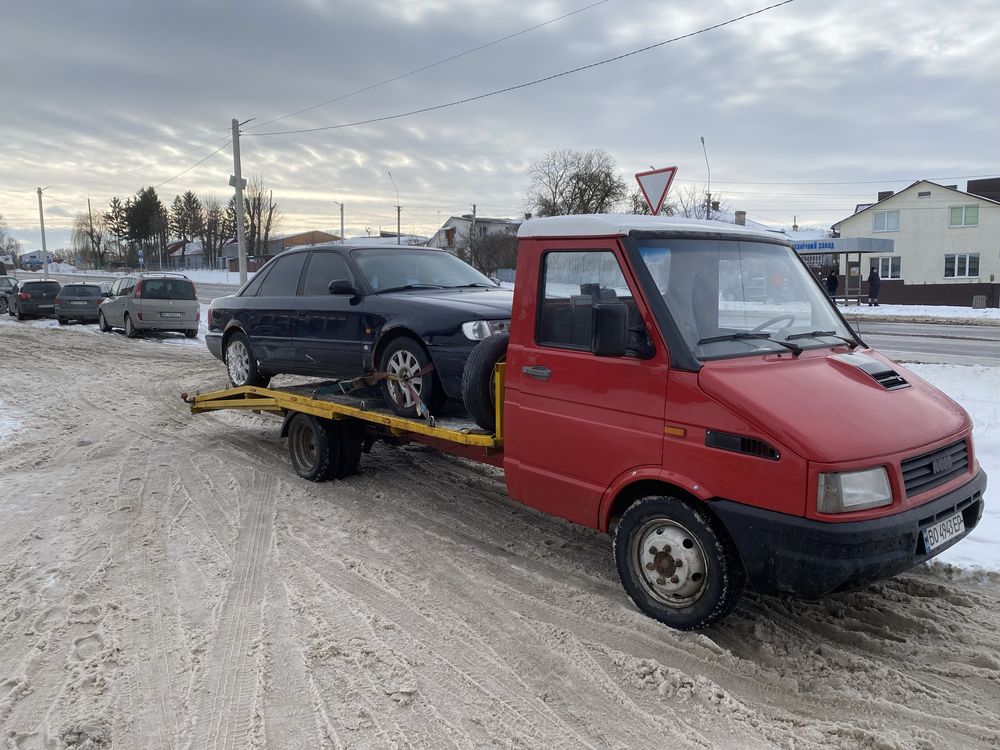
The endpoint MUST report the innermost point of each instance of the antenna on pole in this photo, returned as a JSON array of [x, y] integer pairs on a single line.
[[708, 196], [399, 208]]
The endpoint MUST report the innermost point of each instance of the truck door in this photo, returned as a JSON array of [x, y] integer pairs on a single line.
[[575, 421]]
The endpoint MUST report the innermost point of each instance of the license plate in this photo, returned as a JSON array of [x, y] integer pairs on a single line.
[[171, 315], [45, 307], [942, 531], [79, 303]]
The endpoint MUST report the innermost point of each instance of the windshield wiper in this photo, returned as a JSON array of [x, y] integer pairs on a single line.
[[409, 286], [815, 334], [475, 283], [744, 335]]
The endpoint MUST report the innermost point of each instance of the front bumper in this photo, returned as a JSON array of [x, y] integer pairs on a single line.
[[793, 555], [213, 340], [449, 362]]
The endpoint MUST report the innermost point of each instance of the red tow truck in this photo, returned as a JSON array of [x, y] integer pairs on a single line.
[[688, 387]]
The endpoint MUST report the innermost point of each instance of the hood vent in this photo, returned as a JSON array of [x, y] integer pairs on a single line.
[[880, 372], [740, 444]]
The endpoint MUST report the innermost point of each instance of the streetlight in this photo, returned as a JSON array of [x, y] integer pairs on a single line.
[[708, 201], [341, 221], [398, 207]]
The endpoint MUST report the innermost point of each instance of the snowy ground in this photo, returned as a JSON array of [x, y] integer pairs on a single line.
[[167, 581]]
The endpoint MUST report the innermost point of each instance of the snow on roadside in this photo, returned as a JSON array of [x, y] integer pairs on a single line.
[[977, 389], [8, 424], [965, 314]]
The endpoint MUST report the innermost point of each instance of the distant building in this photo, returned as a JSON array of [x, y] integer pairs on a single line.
[[945, 243], [454, 233]]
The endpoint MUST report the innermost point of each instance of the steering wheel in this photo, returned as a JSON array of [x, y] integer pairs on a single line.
[[776, 319]]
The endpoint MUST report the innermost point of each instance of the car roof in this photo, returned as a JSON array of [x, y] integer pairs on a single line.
[[338, 246], [38, 281], [618, 225]]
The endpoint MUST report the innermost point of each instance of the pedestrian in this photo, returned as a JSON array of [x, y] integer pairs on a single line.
[[874, 284], [832, 282]]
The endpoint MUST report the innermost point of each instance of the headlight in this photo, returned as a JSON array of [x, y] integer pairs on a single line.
[[477, 330], [853, 490]]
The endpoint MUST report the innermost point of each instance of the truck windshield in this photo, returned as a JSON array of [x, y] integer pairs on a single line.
[[732, 298]]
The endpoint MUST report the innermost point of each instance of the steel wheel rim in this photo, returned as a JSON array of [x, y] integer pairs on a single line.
[[128, 326], [403, 364], [672, 564], [304, 445], [238, 362]]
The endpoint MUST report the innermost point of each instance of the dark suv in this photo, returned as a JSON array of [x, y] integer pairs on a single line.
[[414, 313], [35, 297]]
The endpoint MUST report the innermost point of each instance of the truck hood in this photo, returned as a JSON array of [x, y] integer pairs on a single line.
[[487, 304], [835, 407]]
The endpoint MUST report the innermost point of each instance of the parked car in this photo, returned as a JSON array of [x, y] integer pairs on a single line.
[[151, 302], [78, 301], [414, 313], [34, 297], [7, 284]]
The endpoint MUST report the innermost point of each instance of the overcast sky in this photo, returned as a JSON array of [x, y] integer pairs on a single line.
[[104, 97]]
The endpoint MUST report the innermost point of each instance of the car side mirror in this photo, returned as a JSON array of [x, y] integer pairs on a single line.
[[105, 294], [342, 286], [610, 320]]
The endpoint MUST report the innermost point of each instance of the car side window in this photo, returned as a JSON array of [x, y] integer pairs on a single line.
[[283, 278], [573, 282], [325, 266], [128, 284], [253, 287], [115, 287]]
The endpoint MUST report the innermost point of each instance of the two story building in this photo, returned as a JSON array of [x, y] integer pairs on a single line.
[[946, 243]]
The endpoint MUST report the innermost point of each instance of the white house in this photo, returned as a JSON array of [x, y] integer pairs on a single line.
[[946, 243], [454, 233]]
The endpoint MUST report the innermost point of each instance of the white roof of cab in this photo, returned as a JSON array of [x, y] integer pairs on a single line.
[[613, 225]]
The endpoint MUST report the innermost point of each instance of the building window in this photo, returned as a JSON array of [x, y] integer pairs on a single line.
[[924, 194], [964, 216], [961, 266], [886, 221], [888, 268]]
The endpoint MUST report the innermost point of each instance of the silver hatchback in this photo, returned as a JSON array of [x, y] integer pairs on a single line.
[[151, 302]]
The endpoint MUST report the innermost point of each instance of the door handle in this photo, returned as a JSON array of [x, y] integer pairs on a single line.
[[538, 372]]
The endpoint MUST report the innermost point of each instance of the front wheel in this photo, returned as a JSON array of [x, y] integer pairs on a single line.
[[241, 364], [677, 563], [313, 449], [402, 360], [102, 324]]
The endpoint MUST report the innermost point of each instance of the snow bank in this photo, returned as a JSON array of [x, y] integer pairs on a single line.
[[921, 311], [8, 424]]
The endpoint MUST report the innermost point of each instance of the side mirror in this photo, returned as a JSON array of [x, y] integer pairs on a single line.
[[610, 332], [342, 286], [105, 294]]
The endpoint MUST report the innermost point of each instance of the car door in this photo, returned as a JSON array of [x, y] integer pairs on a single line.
[[326, 328], [576, 421], [117, 300], [267, 315], [108, 308]]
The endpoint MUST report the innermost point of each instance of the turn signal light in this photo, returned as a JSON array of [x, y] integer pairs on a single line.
[[24, 296]]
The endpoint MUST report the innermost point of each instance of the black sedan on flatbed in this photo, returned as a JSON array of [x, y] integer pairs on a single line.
[[340, 312]]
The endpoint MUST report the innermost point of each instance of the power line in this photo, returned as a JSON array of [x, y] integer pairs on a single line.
[[855, 182], [201, 161], [516, 87], [431, 65]]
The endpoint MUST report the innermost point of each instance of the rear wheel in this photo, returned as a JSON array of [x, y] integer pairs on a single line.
[[677, 563], [479, 381], [241, 363], [190, 334], [312, 447], [19, 315], [351, 440], [403, 359], [130, 330], [102, 324], [4, 307], [63, 321]]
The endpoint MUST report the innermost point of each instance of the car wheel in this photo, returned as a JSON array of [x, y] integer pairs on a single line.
[[402, 359], [350, 440], [312, 447], [19, 315], [478, 381], [102, 324], [677, 563], [63, 321], [4, 307], [130, 330], [190, 334], [241, 364]]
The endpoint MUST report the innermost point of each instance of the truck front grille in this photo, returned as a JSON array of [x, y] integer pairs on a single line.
[[925, 472]]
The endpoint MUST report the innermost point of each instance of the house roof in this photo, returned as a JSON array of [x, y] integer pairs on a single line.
[[870, 206]]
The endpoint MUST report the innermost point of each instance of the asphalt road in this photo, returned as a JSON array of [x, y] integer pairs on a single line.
[[903, 341]]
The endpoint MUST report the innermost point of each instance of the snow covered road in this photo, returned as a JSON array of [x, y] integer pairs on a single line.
[[166, 581]]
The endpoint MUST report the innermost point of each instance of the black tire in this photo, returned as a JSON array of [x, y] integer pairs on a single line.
[[703, 588], [19, 315], [102, 323], [4, 307], [405, 356], [190, 334], [351, 440], [130, 330], [241, 364], [478, 389], [312, 447], [63, 321]]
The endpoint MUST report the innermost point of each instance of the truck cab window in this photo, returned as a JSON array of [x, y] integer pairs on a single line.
[[573, 281]]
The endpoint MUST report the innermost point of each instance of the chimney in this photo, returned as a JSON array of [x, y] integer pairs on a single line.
[[741, 218], [883, 194], [527, 215]]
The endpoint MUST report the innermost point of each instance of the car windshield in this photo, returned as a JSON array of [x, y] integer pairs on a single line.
[[82, 290], [731, 298], [387, 269]]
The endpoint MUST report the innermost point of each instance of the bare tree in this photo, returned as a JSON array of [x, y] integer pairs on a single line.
[[216, 229], [575, 182], [261, 215], [690, 203], [90, 237], [636, 204], [490, 252]]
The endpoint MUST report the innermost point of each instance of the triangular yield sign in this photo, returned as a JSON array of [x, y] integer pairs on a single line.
[[655, 185]]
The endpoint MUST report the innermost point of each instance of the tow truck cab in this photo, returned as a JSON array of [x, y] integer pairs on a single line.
[[690, 387]]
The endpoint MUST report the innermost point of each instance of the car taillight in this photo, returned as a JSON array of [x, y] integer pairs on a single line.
[[56, 301], [197, 316], [138, 292], [24, 296], [139, 315]]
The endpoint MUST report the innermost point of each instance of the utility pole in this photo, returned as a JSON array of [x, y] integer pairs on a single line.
[[399, 208], [237, 181], [708, 196], [341, 221], [472, 233], [90, 217], [41, 220]]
